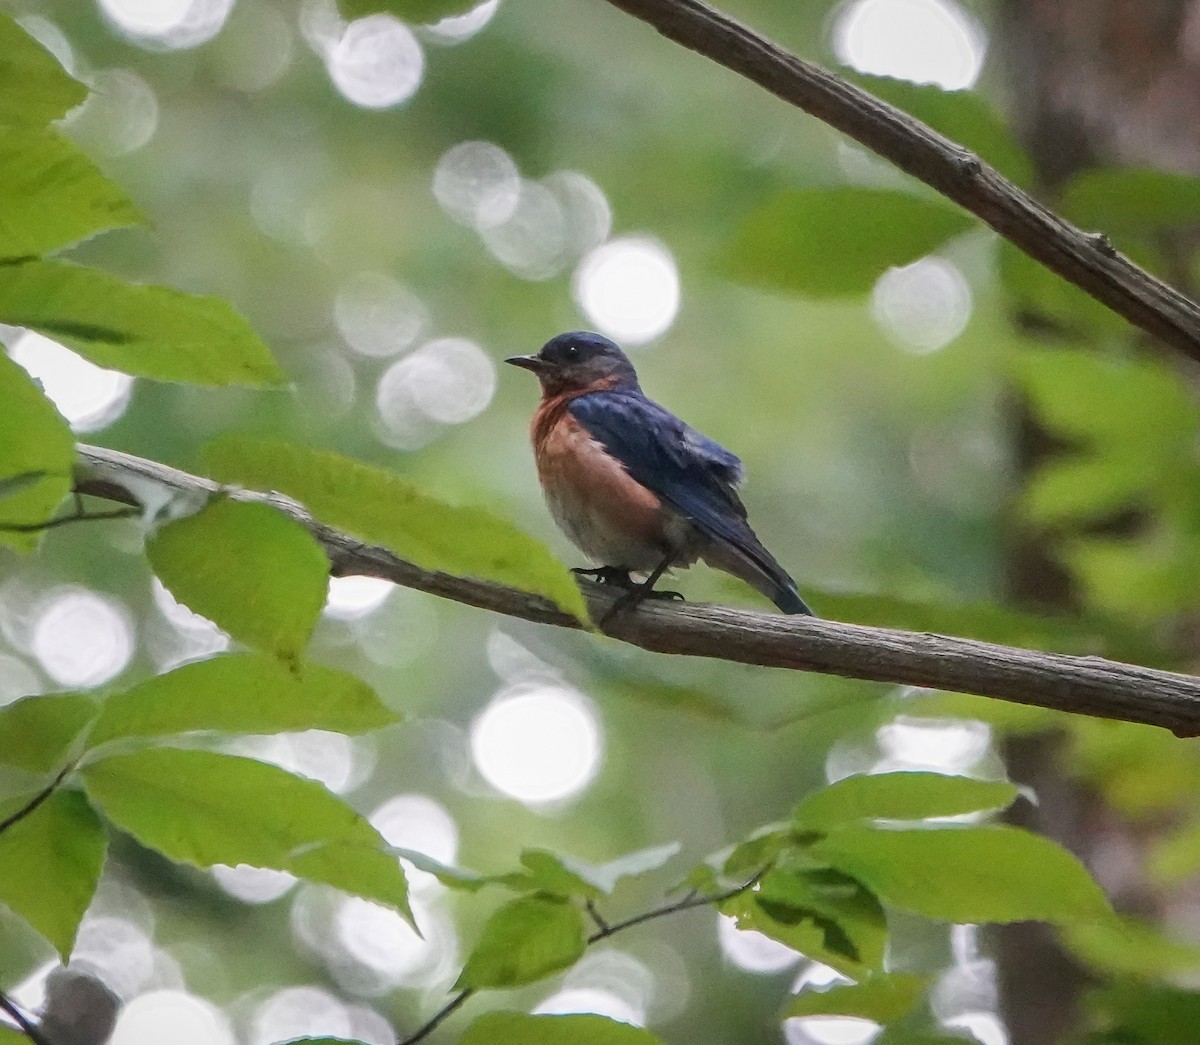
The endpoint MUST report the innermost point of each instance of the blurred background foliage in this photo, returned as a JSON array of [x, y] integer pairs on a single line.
[[938, 434]]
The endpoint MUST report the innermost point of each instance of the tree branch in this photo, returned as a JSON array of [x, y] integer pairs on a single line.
[[1086, 259], [1086, 685], [23, 1022]]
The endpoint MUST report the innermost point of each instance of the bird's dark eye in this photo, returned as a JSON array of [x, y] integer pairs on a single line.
[[572, 351]]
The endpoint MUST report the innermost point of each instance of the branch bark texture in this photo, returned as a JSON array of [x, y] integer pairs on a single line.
[[1085, 685], [1086, 259]]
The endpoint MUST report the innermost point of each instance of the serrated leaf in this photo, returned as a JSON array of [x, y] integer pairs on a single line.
[[37, 451], [525, 940], [975, 874], [34, 88], [900, 796], [143, 330], [54, 195], [248, 568], [451, 877], [242, 693], [36, 733], [965, 117], [834, 242], [757, 851], [822, 913], [421, 11], [203, 808], [50, 862], [565, 876], [1113, 200], [380, 507], [517, 1028], [882, 997]]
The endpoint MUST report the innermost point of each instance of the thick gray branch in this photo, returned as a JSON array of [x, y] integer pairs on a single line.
[[1088, 685], [1086, 259]]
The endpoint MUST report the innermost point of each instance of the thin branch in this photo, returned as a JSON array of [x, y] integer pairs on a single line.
[[1084, 685], [603, 932], [1086, 259], [27, 1026], [37, 799], [76, 516]]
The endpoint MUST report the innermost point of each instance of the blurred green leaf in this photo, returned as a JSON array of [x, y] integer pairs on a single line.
[[382, 508], [1112, 200], [525, 940], [882, 997], [1175, 858], [148, 331], [202, 808], [241, 693], [37, 451], [451, 877], [8, 1036], [965, 117], [250, 569], [50, 862], [517, 1028], [1144, 1014], [1125, 947], [822, 913], [34, 88], [756, 852], [900, 796], [53, 195], [1002, 715], [422, 11], [1046, 299], [566, 876], [37, 733], [834, 242], [972, 874]]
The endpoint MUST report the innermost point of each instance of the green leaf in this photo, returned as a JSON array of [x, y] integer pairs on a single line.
[[1037, 292], [451, 877], [50, 862], [1147, 1014], [421, 11], [148, 331], [834, 242], [250, 569], [822, 913], [965, 117], [53, 195], [34, 88], [525, 940], [202, 808], [8, 1036], [241, 693], [1125, 947], [380, 507], [1114, 200], [566, 876], [883, 997], [900, 796], [517, 1028], [37, 454], [36, 733], [976, 874]]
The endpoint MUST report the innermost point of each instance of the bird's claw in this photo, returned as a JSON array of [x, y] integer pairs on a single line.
[[612, 575]]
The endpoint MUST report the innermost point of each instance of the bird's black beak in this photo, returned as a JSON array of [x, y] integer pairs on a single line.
[[535, 363]]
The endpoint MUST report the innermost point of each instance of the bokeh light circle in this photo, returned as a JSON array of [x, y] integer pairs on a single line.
[[751, 950], [629, 289], [350, 598], [88, 396], [923, 306], [168, 23], [477, 184], [926, 41], [377, 315], [81, 638], [537, 743], [450, 381], [174, 1016], [377, 62]]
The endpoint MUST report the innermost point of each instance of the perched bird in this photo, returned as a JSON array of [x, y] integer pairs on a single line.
[[632, 486]]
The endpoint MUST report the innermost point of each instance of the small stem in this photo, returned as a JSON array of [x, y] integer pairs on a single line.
[[37, 799], [596, 916], [437, 1018], [27, 1026], [77, 516]]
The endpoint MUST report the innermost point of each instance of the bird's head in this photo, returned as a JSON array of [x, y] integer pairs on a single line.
[[579, 361]]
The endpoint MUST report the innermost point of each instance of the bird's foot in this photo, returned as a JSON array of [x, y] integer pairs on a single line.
[[636, 594], [613, 575]]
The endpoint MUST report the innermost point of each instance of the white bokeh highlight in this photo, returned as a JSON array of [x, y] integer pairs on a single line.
[[167, 23], [377, 315], [88, 396], [253, 885], [922, 307], [537, 742], [477, 184], [629, 289], [81, 639], [925, 41], [751, 950], [456, 29], [351, 598], [377, 62], [174, 1016]]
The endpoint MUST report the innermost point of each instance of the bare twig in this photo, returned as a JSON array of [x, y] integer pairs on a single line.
[[1086, 685], [62, 520], [27, 1026], [436, 1019], [1086, 259]]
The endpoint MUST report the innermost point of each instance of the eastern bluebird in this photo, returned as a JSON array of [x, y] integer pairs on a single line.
[[632, 486]]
